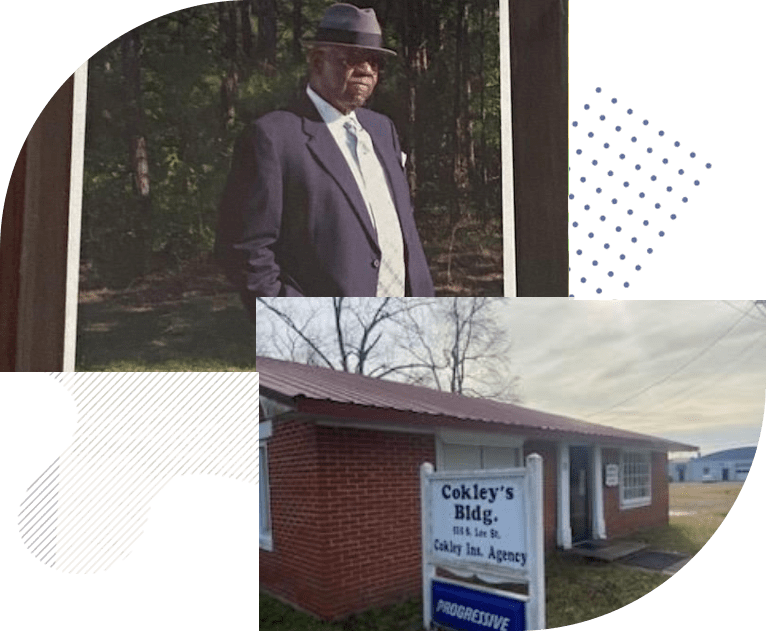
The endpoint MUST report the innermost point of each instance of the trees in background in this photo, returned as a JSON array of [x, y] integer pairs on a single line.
[[451, 344], [167, 100]]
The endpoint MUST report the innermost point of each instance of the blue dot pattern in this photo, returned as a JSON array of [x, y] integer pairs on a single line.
[[633, 199]]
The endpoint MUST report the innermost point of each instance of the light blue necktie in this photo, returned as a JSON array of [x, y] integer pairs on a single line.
[[391, 272]]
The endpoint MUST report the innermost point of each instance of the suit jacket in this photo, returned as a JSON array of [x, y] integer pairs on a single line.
[[292, 219]]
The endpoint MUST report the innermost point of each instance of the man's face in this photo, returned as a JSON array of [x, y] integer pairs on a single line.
[[344, 76]]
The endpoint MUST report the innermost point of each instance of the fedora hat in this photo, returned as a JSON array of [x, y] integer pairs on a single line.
[[346, 25]]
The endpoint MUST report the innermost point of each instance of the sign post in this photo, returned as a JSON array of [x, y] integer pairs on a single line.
[[486, 524]]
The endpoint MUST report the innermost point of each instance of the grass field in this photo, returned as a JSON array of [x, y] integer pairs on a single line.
[[696, 511], [577, 589]]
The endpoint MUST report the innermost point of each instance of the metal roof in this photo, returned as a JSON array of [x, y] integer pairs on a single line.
[[306, 386], [734, 454]]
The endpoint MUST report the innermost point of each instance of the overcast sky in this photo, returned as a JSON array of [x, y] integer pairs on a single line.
[[648, 366], [690, 371]]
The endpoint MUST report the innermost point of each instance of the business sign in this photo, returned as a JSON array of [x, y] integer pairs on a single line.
[[612, 477], [459, 607], [487, 524], [480, 521]]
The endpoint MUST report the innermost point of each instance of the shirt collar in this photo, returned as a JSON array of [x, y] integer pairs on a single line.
[[329, 113]]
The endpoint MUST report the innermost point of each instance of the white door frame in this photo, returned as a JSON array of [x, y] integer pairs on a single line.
[[563, 513]]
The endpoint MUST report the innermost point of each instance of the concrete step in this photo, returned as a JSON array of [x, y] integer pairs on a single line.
[[607, 550]]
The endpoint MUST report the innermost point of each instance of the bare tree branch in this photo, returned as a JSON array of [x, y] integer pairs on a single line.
[[455, 343], [287, 320], [337, 304]]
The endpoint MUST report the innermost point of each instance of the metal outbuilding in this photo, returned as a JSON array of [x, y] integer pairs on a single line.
[[724, 465]]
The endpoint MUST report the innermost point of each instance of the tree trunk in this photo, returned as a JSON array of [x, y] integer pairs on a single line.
[[482, 175], [470, 147], [227, 16], [297, 29], [139, 248], [460, 140], [246, 29], [227, 23], [416, 53], [267, 30]]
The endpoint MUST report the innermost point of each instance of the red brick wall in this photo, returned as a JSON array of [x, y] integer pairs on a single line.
[[547, 450], [296, 567], [620, 522], [346, 517]]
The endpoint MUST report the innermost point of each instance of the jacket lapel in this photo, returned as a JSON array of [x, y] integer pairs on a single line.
[[325, 150]]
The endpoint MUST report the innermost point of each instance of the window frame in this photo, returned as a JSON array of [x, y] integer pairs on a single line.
[[265, 527], [638, 501]]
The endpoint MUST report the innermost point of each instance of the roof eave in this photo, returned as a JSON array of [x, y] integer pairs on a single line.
[[348, 410]]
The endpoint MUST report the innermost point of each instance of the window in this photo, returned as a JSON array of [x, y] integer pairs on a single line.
[[264, 496], [471, 457], [636, 479], [471, 451]]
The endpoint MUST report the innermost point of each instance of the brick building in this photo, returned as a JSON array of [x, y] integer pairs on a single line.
[[340, 489]]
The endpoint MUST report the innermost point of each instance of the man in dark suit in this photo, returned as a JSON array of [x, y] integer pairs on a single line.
[[317, 202]]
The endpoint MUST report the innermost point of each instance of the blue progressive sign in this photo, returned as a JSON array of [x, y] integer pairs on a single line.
[[462, 608]]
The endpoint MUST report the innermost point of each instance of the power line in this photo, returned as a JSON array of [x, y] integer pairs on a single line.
[[721, 376], [761, 305], [678, 370]]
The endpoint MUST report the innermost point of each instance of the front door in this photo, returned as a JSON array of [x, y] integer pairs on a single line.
[[579, 494]]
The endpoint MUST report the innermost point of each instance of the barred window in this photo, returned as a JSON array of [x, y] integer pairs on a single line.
[[636, 479]]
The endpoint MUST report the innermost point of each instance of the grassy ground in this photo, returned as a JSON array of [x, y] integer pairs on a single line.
[[274, 615], [696, 511], [185, 321], [466, 259], [577, 589], [190, 320]]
